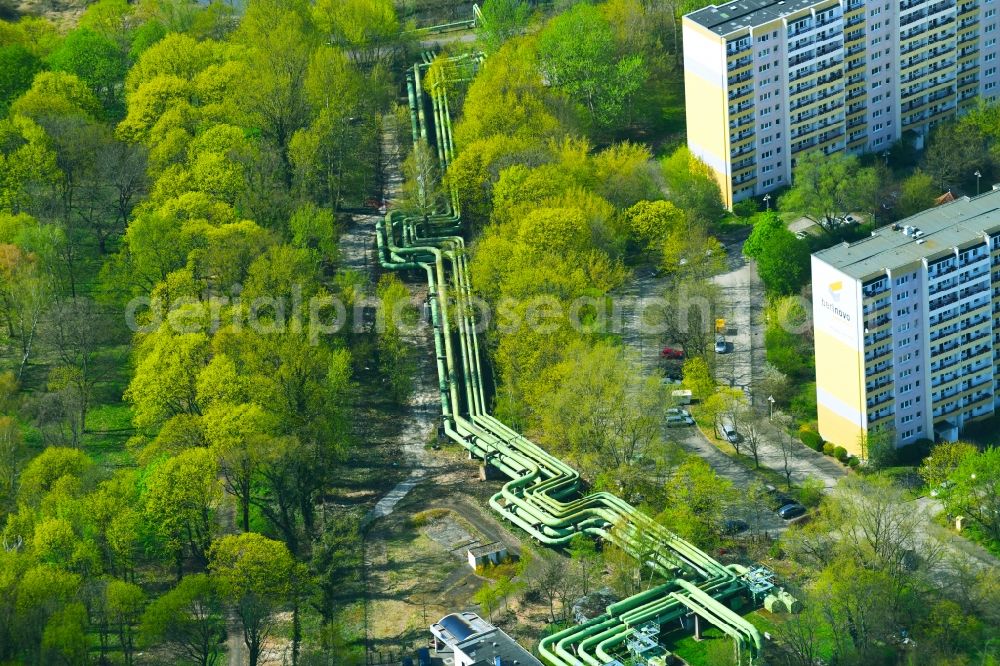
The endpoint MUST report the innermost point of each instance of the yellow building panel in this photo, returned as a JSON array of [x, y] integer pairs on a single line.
[[708, 126], [842, 432]]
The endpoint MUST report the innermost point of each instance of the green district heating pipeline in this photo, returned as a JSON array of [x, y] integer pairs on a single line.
[[543, 496]]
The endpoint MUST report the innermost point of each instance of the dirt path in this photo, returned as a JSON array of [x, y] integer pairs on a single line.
[[423, 407]]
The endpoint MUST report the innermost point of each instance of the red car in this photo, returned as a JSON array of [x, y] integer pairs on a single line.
[[670, 352]]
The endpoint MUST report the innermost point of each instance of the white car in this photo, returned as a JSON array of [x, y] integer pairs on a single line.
[[677, 411]]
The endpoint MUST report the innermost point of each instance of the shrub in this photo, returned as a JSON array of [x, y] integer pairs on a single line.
[[840, 453], [853, 461], [828, 448], [811, 492], [746, 208], [811, 439]]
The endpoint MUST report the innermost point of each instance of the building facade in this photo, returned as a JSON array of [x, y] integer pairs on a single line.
[[906, 323], [766, 80]]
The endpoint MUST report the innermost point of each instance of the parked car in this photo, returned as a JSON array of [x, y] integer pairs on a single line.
[[677, 411], [793, 510], [672, 352], [721, 346], [734, 526], [730, 434], [678, 421]]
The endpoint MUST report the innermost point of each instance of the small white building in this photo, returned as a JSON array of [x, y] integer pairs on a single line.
[[491, 553]]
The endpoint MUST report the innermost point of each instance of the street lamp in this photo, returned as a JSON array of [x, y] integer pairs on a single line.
[[767, 201], [770, 401], [885, 156], [978, 176]]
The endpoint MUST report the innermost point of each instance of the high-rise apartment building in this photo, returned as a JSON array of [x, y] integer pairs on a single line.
[[766, 80], [906, 324]]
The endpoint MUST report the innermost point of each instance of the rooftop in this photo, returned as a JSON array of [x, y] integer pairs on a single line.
[[955, 224], [732, 16], [481, 641]]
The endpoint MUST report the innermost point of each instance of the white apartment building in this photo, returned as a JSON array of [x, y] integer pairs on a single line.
[[907, 322], [766, 80]]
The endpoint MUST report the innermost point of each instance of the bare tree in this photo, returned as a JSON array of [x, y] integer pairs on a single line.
[[551, 581], [78, 329], [786, 443], [751, 425]]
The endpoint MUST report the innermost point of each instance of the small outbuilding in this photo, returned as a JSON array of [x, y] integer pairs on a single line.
[[491, 553]]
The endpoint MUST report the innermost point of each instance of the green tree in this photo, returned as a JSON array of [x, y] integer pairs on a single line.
[[825, 188], [180, 499], [585, 561], [976, 494], [64, 640], [692, 186], [943, 460], [500, 20], [50, 468], [765, 227], [254, 576], [18, 67], [125, 603], [698, 377], [96, 60], [369, 30], [188, 621], [604, 412], [696, 499], [783, 264], [649, 223], [916, 194], [956, 149], [42, 592], [577, 54]]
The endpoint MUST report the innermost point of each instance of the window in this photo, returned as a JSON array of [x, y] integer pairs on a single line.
[[765, 96], [902, 280], [876, 127], [876, 113], [764, 67], [762, 38], [990, 86], [767, 153], [875, 12], [905, 342], [769, 182], [906, 388], [906, 373], [990, 71], [903, 327], [764, 52], [767, 168], [990, 42], [990, 13], [765, 111], [906, 419], [990, 28], [990, 56], [876, 84], [876, 99], [766, 140], [765, 125]]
